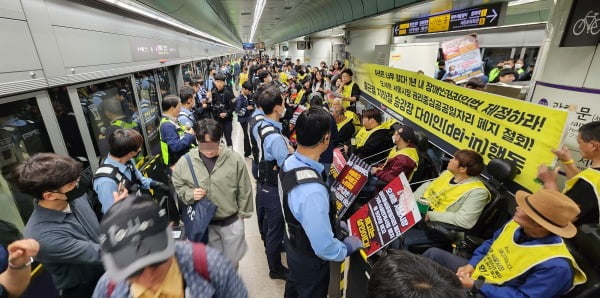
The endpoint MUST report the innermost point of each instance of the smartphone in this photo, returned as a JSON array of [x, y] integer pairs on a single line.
[[121, 187]]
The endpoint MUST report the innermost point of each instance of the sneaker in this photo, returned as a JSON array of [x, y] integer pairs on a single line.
[[282, 274]]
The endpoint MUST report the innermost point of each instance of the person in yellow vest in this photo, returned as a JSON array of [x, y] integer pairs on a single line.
[[349, 90], [175, 139], [113, 111], [582, 186], [344, 126], [244, 76], [456, 197], [373, 139], [403, 158], [525, 258]]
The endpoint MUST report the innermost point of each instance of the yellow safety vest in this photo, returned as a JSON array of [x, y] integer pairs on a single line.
[[123, 124], [299, 96], [344, 122], [591, 176], [363, 135], [301, 77], [164, 147], [493, 74], [507, 260], [283, 77], [441, 194], [410, 152], [347, 92], [354, 117]]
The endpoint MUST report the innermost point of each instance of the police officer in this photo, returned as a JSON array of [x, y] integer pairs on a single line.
[[175, 139], [113, 111], [223, 106], [124, 145], [273, 149], [309, 211]]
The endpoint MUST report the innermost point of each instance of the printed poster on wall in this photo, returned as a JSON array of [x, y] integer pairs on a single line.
[[455, 118], [349, 183], [463, 58], [582, 104], [386, 216]]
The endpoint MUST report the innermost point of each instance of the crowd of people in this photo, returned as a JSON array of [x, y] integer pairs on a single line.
[[117, 242]]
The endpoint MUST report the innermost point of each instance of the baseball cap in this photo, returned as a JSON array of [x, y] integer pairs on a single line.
[[134, 234]]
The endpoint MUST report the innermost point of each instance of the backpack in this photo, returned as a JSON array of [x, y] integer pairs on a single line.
[[200, 266]]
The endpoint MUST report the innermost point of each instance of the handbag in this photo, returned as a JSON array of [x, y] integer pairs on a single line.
[[198, 215]]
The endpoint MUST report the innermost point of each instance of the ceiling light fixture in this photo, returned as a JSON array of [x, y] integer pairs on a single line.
[[258, 10], [163, 18], [521, 2]]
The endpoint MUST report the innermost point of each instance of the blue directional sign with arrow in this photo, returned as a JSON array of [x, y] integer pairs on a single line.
[[475, 17]]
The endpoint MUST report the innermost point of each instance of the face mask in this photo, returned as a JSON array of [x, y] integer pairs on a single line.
[[506, 66], [75, 193], [518, 65], [394, 139]]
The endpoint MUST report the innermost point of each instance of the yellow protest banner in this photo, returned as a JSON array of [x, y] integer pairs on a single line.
[[493, 125]]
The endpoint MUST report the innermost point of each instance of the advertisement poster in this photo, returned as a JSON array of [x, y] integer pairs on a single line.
[[583, 106], [463, 58], [455, 118], [386, 216], [349, 183], [338, 163]]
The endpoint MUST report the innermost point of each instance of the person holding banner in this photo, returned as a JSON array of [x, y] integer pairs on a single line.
[[525, 258], [373, 139], [582, 186], [274, 149], [309, 211], [456, 197]]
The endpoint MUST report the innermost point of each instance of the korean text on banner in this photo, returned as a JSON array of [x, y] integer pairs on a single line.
[[493, 125], [463, 58], [386, 216], [582, 104], [349, 183]]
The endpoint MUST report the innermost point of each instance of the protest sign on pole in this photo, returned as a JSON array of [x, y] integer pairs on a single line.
[[349, 183], [386, 216], [463, 58]]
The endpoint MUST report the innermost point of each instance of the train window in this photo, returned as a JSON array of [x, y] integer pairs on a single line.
[[187, 72], [492, 56], [149, 109], [166, 81], [63, 110], [107, 106], [22, 134]]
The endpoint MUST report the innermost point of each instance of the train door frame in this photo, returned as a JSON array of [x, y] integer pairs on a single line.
[[80, 117], [42, 99], [136, 96]]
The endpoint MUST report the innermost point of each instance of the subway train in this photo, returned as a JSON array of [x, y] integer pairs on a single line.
[[74, 67]]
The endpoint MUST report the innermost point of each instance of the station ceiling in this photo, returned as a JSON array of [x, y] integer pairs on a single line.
[[282, 20]]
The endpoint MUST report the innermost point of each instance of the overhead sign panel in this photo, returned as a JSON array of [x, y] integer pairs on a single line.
[[476, 17], [583, 27], [248, 46]]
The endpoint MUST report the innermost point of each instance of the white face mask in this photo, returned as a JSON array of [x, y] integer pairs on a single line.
[[506, 66], [394, 139], [518, 65]]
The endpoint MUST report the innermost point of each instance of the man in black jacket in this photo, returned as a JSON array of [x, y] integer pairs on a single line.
[[222, 106]]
